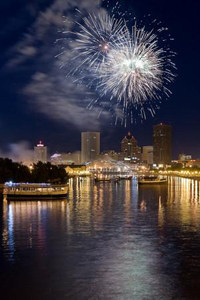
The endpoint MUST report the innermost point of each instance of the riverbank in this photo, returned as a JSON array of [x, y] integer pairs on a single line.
[[183, 174]]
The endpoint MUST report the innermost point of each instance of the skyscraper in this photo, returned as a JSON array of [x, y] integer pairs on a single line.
[[40, 153], [147, 154], [90, 146], [162, 144], [129, 147]]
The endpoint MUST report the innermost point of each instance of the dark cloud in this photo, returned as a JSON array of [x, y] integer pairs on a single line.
[[49, 91]]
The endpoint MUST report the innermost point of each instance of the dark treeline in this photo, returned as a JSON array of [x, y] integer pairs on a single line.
[[41, 172]]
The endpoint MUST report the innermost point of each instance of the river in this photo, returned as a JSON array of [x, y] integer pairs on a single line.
[[106, 241]]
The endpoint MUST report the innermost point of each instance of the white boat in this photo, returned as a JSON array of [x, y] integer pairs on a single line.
[[152, 180], [34, 191], [126, 177], [97, 179]]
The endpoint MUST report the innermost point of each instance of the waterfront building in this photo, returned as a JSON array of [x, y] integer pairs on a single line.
[[162, 144], [77, 170], [147, 154], [109, 155], [194, 163], [108, 168], [66, 158], [129, 148], [183, 157], [90, 146], [40, 153]]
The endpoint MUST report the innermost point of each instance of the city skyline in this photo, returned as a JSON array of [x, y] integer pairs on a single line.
[[24, 152]]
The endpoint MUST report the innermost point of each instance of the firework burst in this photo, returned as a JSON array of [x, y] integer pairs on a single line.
[[136, 70], [97, 35], [128, 67]]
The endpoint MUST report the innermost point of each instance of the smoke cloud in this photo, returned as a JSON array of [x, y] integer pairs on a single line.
[[19, 152]]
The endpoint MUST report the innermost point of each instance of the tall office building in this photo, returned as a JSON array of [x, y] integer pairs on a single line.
[[129, 147], [40, 153], [162, 144], [90, 146], [147, 154]]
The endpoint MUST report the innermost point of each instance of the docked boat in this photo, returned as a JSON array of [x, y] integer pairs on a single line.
[[97, 179], [116, 180], [34, 191], [126, 177], [152, 180]]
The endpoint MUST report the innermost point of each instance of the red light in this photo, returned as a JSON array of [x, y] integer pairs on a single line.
[[40, 144]]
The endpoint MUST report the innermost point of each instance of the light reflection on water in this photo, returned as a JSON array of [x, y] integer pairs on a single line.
[[107, 241]]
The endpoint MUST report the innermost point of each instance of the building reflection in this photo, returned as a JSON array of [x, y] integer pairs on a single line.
[[176, 203], [8, 241], [92, 206], [152, 196], [99, 202], [106, 232], [184, 200], [24, 223], [91, 200]]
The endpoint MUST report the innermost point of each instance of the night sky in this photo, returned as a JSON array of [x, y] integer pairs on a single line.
[[37, 102]]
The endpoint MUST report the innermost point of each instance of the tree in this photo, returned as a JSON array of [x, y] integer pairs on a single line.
[[12, 171], [42, 172], [46, 172]]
